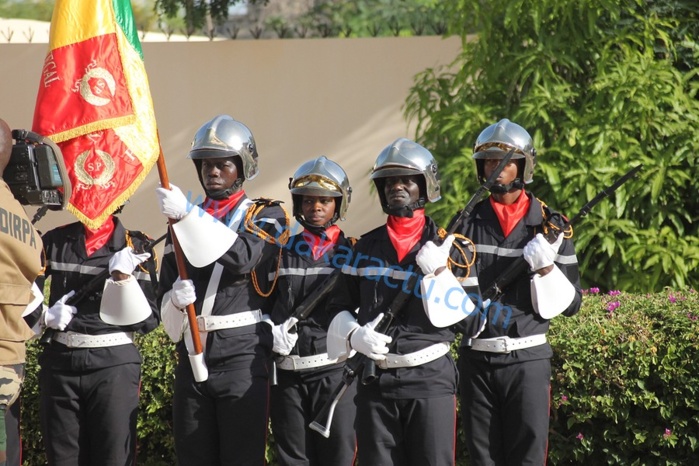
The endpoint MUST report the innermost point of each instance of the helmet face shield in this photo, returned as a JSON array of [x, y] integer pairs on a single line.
[[388, 171], [321, 177], [315, 185], [498, 139]]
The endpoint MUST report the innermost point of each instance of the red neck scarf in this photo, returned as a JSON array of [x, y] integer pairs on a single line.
[[510, 215], [405, 232], [95, 239], [320, 244], [219, 208]]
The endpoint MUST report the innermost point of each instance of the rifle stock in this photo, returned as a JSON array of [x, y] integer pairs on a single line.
[[324, 418]]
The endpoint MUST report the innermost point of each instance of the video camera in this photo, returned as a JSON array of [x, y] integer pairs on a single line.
[[36, 173]]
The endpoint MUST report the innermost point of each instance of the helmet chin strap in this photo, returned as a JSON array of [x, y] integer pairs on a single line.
[[506, 188], [225, 193], [404, 211], [317, 229]]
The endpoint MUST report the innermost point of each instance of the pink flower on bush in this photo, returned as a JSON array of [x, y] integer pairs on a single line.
[[667, 433], [594, 290], [672, 299], [580, 436], [614, 293], [614, 305], [691, 316], [564, 398]]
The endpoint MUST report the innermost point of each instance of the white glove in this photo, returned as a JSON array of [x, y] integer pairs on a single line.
[[183, 293], [283, 340], [430, 257], [539, 253], [126, 260], [370, 342], [60, 314], [173, 204]]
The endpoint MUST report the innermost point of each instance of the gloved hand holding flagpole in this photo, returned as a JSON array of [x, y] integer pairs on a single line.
[[196, 358]]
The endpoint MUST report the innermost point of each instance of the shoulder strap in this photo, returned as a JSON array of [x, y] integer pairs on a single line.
[[239, 214]]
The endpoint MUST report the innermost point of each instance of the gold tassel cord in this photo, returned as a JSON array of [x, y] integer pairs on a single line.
[[462, 243], [548, 224], [280, 241]]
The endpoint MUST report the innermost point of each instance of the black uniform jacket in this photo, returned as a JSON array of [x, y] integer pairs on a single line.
[[299, 275], [249, 346], [513, 314], [373, 280], [70, 268]]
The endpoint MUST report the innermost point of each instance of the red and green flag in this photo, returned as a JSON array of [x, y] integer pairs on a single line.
[[94, 102]]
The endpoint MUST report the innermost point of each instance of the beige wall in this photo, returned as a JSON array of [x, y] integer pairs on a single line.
[[302, 98]]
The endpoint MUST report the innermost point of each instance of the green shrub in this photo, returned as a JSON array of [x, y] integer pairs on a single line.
[[625, 386], [626, 381]]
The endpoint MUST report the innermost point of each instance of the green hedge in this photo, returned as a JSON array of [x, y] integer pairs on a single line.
[[625, 386], [626, 381]]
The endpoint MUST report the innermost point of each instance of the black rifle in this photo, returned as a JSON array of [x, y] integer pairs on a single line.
[[311, 301], [94, 284], [520, 266], [308, 305], [323, 420]]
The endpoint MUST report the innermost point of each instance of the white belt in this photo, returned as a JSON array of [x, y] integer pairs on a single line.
[[297, 363], [506, 344], [417, 358], [240, 319], [81, 340]]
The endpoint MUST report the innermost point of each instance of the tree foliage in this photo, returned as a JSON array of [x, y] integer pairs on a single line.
[[377, 18], [196, 12], [325, 18], [40, 10], [602, 85]]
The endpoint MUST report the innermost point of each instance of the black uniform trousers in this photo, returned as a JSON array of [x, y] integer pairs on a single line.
[[295, 402], [83, 418], [405, 432], [221, 421], [497, 423]]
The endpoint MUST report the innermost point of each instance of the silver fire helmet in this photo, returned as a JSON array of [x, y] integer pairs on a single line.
[[405, 157], [498, 139], [224, 137], [321, 177]]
